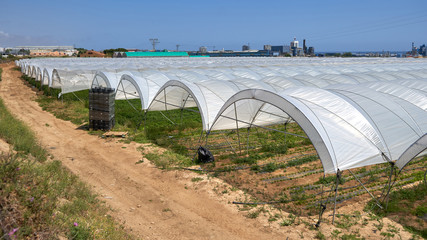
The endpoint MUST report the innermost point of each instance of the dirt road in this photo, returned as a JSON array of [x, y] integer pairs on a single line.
[[152, 203]]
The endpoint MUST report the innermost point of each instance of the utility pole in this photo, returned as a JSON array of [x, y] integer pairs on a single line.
[[154, 41], [177, 47]]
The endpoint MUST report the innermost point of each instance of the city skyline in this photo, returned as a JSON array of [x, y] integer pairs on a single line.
[[327, 25]]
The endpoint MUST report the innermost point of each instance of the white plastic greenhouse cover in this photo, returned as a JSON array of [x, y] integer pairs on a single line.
[[353, 128], [415, 149], [107, 79], [143, 85], [72, 81], [397, 127], [47, 77], [370, 110]]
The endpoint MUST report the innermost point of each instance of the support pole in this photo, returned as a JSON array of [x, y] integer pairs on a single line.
[[335, 198], [386, 197], [231, 146], [143, 119], [376, 200], [77, 97], [322, 207], [248, 142], [237, 128], [425, 178]]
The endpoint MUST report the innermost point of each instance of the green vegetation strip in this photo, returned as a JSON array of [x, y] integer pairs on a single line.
[[19, 135], [1, 70], [40, 199], [407, 202]]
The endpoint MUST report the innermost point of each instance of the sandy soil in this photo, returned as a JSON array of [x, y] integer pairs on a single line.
[[151, 203]]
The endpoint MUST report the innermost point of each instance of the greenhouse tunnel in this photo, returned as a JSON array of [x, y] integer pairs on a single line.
[[341, 133]]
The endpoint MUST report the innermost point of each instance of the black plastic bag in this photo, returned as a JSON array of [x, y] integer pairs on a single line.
[[204, 155]]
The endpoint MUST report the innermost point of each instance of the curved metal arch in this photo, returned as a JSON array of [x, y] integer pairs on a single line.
[[288, 106], [39, 74], [412, 151], [136, 84], [47, 77], [193, 91], [55, 78]]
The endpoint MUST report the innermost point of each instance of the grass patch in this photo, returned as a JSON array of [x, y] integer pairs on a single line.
[[196, 179], [406, 206], [168, 159], [1, 70], [42, 199], [19, 135], [70, 108]]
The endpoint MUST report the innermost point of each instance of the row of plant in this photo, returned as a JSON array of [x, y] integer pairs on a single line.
[[408, 207]]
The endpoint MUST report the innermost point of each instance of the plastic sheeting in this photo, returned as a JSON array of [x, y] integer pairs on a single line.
[[356, 111]]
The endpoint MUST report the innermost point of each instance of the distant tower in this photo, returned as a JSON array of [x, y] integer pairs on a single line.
[[414, 50], [154, 41], [294, 43], [177, 47], [294, 47], [304, 47]]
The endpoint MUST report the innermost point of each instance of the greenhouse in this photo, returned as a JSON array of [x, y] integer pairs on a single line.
[[356, 112]]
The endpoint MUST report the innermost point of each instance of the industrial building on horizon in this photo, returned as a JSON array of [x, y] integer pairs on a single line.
[[291, 50]]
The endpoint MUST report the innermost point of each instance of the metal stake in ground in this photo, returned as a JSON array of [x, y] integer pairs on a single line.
[[335, 198]]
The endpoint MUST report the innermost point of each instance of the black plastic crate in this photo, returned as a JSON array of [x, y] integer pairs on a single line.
[[101, 108]]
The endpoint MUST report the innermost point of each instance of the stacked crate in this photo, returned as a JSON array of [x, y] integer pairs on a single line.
[[101, 108]]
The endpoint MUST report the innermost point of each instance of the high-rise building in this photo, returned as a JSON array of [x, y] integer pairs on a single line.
[[245, 47], [422, 50], [267, 47], [304, 47], [414, 51], [310, 51]]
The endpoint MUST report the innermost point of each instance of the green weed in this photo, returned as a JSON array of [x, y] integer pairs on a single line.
[[19, 135]]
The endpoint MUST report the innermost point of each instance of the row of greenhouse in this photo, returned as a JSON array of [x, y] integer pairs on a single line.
[[356, 111]]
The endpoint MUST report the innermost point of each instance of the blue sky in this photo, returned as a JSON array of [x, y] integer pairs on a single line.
[[328, 25]]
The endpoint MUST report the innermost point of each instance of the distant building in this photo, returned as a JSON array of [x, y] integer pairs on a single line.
[[245, 48], [44, 53], [422, 50], [51, 51], [117, 55], [294, 47], [203, 49], [310, 51], [279, 50], [230, 53], [154, 54], [133, 50], [304, 47], [51, 48], [414, 51], [267, 47]]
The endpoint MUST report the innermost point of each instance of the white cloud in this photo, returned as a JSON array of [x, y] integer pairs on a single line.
[[12, 40], [3, 34]]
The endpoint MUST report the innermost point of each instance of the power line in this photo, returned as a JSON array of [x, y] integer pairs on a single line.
[[350, 33], [391, 22]]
